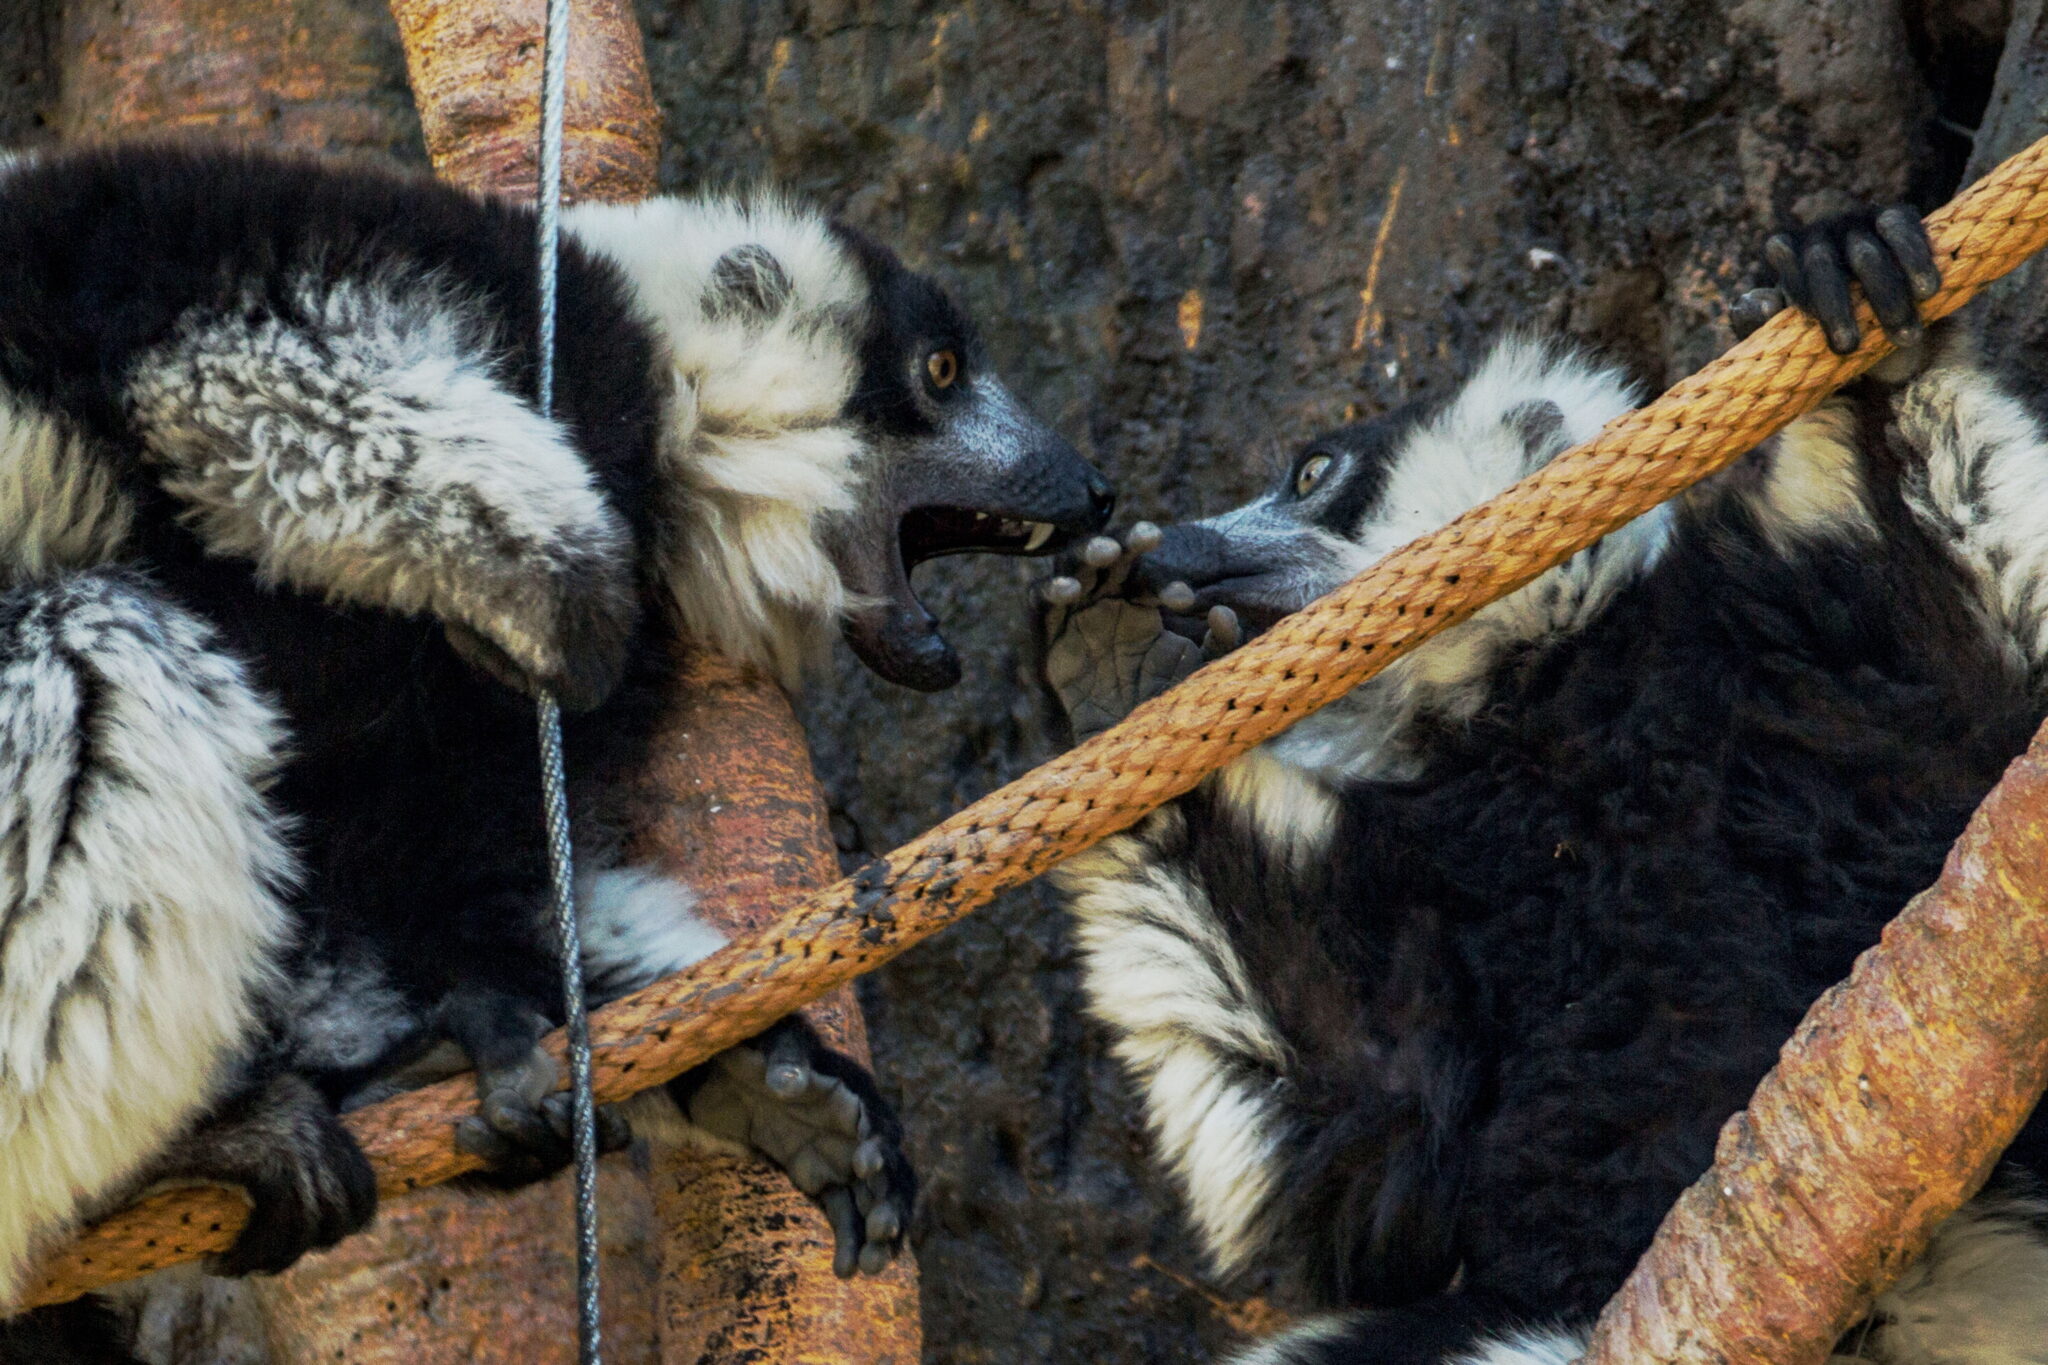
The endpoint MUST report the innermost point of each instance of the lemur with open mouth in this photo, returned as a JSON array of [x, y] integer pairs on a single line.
[[1437, 1002], [286, 542]]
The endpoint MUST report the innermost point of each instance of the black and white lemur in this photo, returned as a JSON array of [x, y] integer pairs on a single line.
[[1436, 1003], [280, 522]]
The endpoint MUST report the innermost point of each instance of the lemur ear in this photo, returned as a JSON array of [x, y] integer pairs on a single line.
[[749, 283], [1540, 425]]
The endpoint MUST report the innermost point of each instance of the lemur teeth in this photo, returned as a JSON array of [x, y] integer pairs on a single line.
[[1041, 533]]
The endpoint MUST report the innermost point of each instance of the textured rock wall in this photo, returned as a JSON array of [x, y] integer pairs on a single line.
[[1195, 233]]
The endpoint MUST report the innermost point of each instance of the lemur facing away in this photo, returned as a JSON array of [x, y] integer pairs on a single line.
[[1437, 1002], [279, 521]]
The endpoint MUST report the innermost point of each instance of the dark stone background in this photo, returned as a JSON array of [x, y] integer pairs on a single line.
[[1194, 234]]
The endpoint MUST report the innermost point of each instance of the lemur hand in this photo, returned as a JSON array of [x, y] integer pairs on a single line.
[[818, 1115], [1886, 251], [1104, 653]]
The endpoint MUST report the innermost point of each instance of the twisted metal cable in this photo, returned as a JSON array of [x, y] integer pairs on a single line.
[[1164, 747], [554, 780]]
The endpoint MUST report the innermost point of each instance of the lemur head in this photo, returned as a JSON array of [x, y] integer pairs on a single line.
[[834, 423], [1360, 492]]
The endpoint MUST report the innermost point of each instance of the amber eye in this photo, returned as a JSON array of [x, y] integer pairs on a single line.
[[943, 367], [1310, 474]]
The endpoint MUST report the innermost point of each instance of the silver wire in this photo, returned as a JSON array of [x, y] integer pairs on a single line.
[[554, 779]]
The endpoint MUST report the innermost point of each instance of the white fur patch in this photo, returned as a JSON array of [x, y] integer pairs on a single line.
[[1162, 972], [1978, 1297], [1813, 481], [1552, 1346], [367, 450], [638, 926], [1467, 453], [1982, 487], [139, 880], [1290, 811], [59, 507], [756, 452], [343, 1014], [1289, 1347]]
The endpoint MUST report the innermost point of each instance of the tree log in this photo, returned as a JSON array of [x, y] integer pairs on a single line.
[[730, 804], [476, 69], [313, 74]]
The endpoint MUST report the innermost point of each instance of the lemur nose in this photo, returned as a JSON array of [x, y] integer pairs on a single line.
[[1101, 496]]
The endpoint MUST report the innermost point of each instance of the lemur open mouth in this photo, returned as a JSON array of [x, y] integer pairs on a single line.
[[897, 636], [931, 532]]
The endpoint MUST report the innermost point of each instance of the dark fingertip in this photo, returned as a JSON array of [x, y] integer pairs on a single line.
[[845, 1221], [874, 1259], [614, 1131], [884, 1225], [788, 1080], [1886, 286], [1753, 310], [477, 1138], [1831, 306], [1906, 235], [1783, 258]]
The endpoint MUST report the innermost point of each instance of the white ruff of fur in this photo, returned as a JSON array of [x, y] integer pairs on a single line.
[[1554, 1346], [59, 507], [1981, 486], [1162, 973], [1467, 453], [373, 456], [756, 450], [139, 890]]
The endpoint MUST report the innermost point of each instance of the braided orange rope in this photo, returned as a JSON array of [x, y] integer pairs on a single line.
[[1167, 745]]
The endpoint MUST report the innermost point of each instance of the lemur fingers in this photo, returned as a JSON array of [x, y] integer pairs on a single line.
[[524, 1124], [817, 1115], [1753, 309], [1887, 252]]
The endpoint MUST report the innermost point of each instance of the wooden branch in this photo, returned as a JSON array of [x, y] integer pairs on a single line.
[[254, 69], [1887, 1110], [731, 805], [475, 68]]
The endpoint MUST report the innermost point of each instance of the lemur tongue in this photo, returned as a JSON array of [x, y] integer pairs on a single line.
[[899, 639]]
